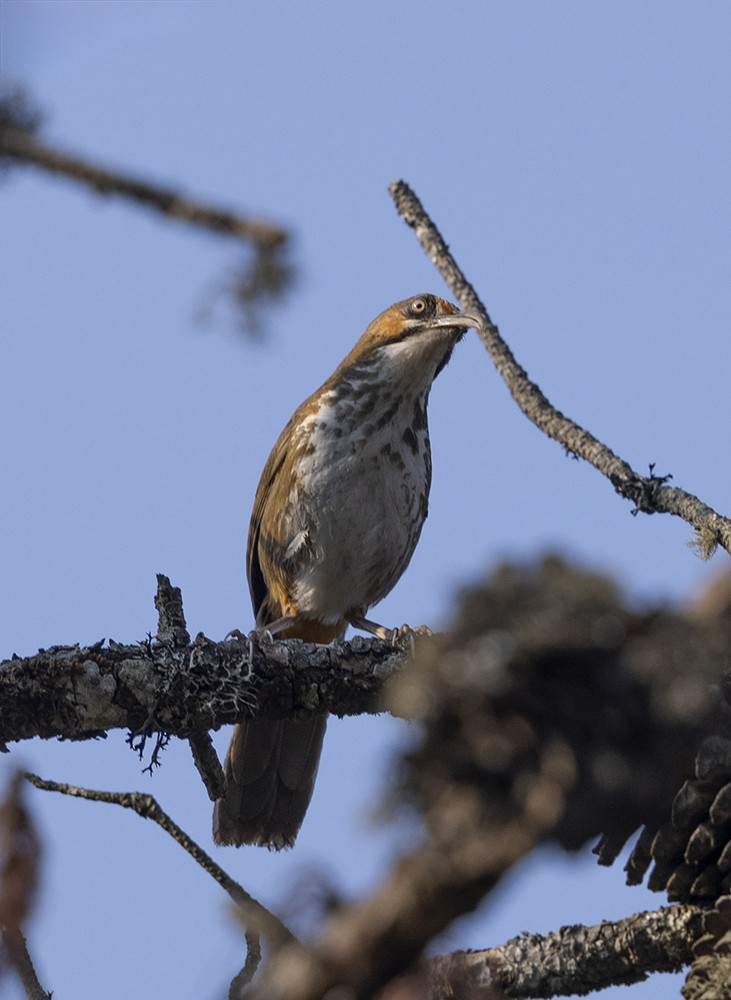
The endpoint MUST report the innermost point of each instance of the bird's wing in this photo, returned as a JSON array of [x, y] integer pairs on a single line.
[[271, 562]]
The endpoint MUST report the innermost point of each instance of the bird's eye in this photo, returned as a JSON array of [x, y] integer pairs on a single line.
[[417, 307]]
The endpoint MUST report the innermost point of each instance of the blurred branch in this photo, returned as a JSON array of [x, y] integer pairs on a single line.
[[639, 699], [17, 950], [20, 856], [549, 712], [18, 112], [366, 946], [263, 276], [650, 494], [256, 915], [19, 145]]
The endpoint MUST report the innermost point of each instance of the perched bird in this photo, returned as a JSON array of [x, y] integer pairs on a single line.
[[337, 515]]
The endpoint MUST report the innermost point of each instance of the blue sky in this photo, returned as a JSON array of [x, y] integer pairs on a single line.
[[576, 157]]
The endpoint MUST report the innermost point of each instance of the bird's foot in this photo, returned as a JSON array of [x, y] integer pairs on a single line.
[[405, 633], [393, 636], [270, 630], [240, 637], [236, 634]]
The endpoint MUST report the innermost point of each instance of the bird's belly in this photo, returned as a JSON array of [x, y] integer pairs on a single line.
[[362, 516]]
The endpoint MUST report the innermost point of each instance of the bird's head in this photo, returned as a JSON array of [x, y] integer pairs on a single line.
[[417, 334]]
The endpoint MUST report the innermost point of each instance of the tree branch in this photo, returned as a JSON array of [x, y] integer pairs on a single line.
[[20, 860], [80, 691], [263, 274], [504, 757], [184, 689], [17, 949], [171, 627], [547, 712], [577, 959], [147, 807], [710, 973], [649, 494], [208, 765], [18, 144]]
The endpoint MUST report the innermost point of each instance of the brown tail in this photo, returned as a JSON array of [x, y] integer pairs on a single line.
[[271, 767]]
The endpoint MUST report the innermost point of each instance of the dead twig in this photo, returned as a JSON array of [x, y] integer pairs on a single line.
[[256, 915], [649, 494]]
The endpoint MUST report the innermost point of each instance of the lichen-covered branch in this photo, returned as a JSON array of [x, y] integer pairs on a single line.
[[184, 689], [550, 710], [578, 959], [649, 494], [79, 691]]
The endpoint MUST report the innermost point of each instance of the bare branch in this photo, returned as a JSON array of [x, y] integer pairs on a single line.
[[649, 494], [146, 806]]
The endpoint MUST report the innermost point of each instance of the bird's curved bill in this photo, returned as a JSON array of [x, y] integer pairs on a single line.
[[462, 319]]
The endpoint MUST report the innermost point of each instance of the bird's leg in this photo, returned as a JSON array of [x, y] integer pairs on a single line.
[[391, 635], [280, 625], [272, 629]]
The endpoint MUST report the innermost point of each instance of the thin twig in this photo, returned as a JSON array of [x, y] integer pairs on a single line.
[[208, 765], [146, 806], [649, 494]]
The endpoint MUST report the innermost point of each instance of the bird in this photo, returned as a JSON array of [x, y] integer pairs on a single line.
[[337, 515]]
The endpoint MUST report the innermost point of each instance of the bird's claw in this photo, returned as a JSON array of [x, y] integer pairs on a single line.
[[393, 636], [240, 637], [404, 633], [236, 634]]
